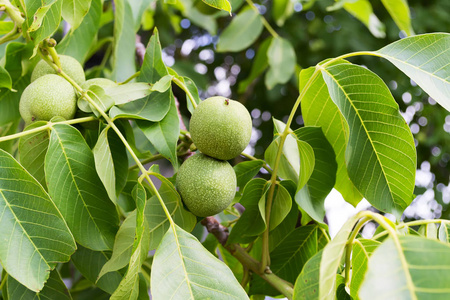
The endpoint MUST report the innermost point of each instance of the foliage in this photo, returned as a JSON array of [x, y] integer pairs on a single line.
[[82, 208]]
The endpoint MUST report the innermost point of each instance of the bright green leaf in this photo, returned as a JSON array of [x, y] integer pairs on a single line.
[[219, 4], [399, 11], [362, 10], [419, 270], [5, 79], [77, 190], [319, 110], [282, 10], [183, 268], [163, 84], [424, 59], [128, 92], [246, 170], [153, 68], [34, 234], [380, 156]]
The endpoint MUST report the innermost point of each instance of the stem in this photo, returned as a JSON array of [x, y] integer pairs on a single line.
[[412, 223], [2, 284], [12, 35], [45, 127], [186, 90], [264, 21], [349, 246], [265, 259], [155, 158], [13, 12], [131, 77], [265, 166], [104, 61]]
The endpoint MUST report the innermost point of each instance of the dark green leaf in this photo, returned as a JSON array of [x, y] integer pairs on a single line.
[[153, 68], [251, 223], [77, 190], [260, 63], [307, 284], [246, 170], [54, 288], [288, 258], [311, 197], [282, 10], [164, 134], [89, 263], [34, 234]]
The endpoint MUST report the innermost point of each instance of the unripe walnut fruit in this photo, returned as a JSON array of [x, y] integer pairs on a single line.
[[220, 127], [47, 97], [206, 185], [69, 65]]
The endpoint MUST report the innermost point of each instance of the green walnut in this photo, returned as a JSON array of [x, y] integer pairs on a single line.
[[206, 185], [220, 127], [47, 97], [69, 65], [101, 82]]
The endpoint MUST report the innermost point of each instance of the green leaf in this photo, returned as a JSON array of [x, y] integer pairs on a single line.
[[6, 26], [111, 162], [318, 277], [362, 10], [419, 270], [311, 197], [124, 63], [158, 223], [260, 63], [100, 97], [288, 258], [123, 246], [399, 11], [251, 223], [380, 156], [297, 157], [192, 88], [360, 258], [73, 11], [424, 58], [219, 4], [77, 42], [5, 79], [282, 61], [128, 92], [246, 170], [153, 68], [163, 84], [319, 110], [32, 150], [129, 286], [183, 268], [54, 288], [282, 10], [443, 232], [281, 206], [42, 21], [429, 231], [89, 263], [243, 31], [164, 134], [307, 284], [8, 129], [152, 108], [34, 234], [77, 190]]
